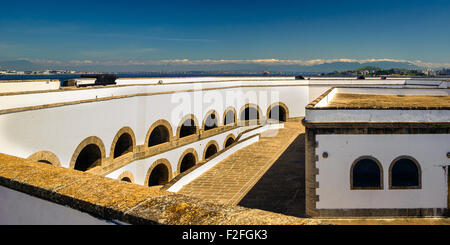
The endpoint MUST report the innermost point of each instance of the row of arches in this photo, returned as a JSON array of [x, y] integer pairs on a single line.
[[404, 173], [160, 172], [91, 152]]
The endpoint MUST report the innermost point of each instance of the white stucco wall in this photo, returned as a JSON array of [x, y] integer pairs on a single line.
[[18, 208], [22, 86], [334, 172]]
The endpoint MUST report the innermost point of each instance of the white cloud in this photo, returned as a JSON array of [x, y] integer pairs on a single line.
[[311, 62]]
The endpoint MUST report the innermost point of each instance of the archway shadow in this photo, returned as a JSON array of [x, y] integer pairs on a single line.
[[282, 188]]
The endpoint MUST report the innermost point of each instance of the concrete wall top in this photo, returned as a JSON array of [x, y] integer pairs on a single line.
[[129, 203], [433, 109]]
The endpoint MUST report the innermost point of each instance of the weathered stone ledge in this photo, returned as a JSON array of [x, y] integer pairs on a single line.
[[115, 200]]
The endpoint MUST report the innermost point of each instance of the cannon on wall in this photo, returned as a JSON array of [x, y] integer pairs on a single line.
[[100, 79]]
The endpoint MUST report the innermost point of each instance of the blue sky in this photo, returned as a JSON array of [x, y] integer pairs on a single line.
[[134, 32]]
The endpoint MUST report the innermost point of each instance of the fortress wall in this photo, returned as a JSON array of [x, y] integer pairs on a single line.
[[343, 150], [139, 168], [60, 129], [12, 86], [103, 111]]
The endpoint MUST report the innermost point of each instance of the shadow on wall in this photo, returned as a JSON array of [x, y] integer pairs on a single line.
[[282, 187]]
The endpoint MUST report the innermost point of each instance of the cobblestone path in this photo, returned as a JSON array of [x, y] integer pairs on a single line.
[[231, 179]]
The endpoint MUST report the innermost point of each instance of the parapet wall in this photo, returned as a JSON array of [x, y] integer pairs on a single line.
[[114, 200]]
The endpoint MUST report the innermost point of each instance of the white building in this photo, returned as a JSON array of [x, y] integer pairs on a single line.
[[378, 152]]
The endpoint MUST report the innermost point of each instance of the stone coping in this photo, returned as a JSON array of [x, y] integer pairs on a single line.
[[29, 80], [349, 101], [115, 200]]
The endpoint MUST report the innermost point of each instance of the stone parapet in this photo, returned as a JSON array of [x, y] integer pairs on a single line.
[[115, 200]]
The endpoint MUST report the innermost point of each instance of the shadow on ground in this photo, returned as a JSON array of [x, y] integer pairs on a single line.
[[282, 188]]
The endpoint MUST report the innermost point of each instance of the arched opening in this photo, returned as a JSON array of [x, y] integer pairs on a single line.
[[188, 162], [229, 142], [159, 135], [211, 122], [159, 175], [250, 113], [366, 174], [88, 158], [405, 173], [126, 179], [211, 150], [46, 157], [45, 161], [229, 117], [278, 113], [123, 145], [188, 128]]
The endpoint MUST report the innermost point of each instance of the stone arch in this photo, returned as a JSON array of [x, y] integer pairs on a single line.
[[89, 153], [374, 176], [210, 149], [229, 116], [185, 128], [126, 175], [211, 120], [250, 108], [230, 139], [278, 108], [415, 175], [45, 157], [124, 142], [162, 173], [181, 167], [163, 127]]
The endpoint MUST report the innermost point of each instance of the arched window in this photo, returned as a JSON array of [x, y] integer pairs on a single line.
[[159, 175], [45, 161], [123, 145], [366, 173], [88, 158], [405, 173], [189, 160], [188, 128], [210, 151], [250, 113], [278, 113], [159, 135], [229, 142], [210, 122], [126, 179], [229, 117]]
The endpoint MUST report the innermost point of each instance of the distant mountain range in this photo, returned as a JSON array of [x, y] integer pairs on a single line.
[[26, 65]]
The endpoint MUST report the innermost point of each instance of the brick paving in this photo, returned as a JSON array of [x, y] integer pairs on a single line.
[[231, 179]]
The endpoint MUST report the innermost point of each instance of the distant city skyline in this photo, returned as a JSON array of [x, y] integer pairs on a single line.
[[163, 35]]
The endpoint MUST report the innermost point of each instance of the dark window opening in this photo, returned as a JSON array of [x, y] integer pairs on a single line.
[[126, 179], [278, 113], [187, 162], [366, 174], [229, 118], [45, 161], [211, 122], [405, 173], [229, 142], [159, 175], [88, 158], [250, 113], [188, 128], [158, 136], [211, 150], [124, 145]]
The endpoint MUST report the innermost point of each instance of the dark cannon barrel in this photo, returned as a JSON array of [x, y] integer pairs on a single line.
[[102, 79]]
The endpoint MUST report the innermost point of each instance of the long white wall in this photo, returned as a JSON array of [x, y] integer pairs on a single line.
[[334, 171], [61, 129]]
